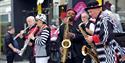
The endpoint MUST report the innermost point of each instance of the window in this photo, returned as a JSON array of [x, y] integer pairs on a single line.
[[4, 18], [1, 0]]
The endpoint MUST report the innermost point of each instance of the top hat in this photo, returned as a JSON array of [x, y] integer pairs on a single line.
[[93, 5]]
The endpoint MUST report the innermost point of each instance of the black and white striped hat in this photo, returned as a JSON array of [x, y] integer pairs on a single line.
[[42, 17]]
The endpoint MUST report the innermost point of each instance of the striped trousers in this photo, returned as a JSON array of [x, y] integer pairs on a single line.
[[107, 54]]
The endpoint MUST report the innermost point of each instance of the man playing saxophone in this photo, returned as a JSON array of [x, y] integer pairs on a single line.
[[106, 45], [75, 55], [88, 27]]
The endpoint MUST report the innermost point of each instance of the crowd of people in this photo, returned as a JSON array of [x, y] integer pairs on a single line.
[[98, 28]]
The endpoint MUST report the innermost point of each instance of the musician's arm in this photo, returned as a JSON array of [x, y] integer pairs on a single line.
[[31, 36], [78, 36], [41, 40], [32, 40], [91, 29], [24, 36], [105, 34]]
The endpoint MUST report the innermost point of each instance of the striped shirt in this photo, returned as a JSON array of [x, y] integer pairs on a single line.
[[42, 38]]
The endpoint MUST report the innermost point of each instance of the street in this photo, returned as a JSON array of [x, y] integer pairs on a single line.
[[3, 60]]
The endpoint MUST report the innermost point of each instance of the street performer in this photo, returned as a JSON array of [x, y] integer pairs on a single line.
[[30, 20], [74, 52], [42, 40], [106, 45]]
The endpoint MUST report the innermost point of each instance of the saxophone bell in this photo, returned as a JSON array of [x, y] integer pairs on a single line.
[[84, 50], [66, 43]]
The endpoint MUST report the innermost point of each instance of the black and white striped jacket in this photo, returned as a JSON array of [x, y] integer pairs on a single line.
[[107, 47], [41, 42]]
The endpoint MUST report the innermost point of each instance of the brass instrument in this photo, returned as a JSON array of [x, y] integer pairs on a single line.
[[66, 43], [87, 51]]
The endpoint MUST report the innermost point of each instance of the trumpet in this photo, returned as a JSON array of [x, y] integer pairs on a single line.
[[66, 43], [87, 51], [26, 42]]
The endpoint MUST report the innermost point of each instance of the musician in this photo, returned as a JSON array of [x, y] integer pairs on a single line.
[[106, 46], [75, 55], [30, 20], [42, 40], [88, 26], [9, 44]]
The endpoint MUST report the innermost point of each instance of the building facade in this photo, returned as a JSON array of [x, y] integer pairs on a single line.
[[5, 18]]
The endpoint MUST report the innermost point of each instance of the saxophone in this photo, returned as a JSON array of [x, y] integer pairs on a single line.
[[66, 43], [87, 51]]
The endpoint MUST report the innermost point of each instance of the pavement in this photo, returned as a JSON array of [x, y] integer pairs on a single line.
[[3, 59]]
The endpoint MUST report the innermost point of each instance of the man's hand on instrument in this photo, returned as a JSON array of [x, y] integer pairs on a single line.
[[123, 58], [31, 36], [21, 33], [89, 39], [30, 44], [80, 24], [16, 50], [71, 35]]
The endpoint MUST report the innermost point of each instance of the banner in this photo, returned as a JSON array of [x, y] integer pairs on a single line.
[[79, 8]]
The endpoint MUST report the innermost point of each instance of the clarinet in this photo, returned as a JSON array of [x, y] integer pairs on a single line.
[[26, 42], [19, 34]]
